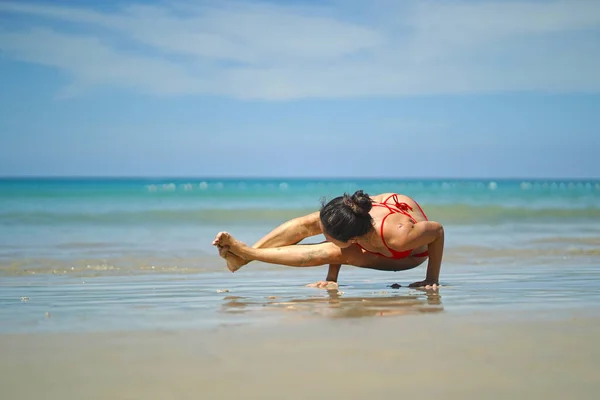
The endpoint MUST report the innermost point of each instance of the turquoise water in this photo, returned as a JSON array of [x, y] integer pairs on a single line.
[[104, 226], [90, 246]]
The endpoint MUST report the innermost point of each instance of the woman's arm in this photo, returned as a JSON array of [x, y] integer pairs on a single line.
[[333, 272], [411, 236]]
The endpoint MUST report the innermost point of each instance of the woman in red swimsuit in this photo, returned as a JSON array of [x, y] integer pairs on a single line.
[[388, 232]]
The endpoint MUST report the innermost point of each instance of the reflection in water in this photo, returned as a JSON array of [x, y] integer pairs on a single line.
[[338, 305]]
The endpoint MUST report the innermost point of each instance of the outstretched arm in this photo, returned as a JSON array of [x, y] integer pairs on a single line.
[[411, 236]]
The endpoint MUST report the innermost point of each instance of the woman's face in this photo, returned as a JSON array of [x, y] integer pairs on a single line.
[[338, 243]]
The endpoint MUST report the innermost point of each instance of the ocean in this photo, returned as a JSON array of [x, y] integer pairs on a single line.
[[102, 253]]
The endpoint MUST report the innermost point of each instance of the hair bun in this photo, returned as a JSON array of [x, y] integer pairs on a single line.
[[359, 202]]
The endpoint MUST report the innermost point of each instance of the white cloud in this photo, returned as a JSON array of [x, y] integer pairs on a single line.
[[93, 63], [274, 52]]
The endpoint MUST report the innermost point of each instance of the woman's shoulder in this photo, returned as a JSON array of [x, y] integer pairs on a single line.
[[379, 198]]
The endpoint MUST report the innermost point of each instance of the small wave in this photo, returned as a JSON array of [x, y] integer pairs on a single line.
[[110, 266], [568, 254], [484, 252], [86, 245], [201, 188], [450, 214], [204, 216], [569, 240], [466, 214]]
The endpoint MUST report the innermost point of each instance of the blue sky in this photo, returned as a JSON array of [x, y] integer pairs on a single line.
[[300, 88]]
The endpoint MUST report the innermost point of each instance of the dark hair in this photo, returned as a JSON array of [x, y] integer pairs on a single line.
[[347, 217]]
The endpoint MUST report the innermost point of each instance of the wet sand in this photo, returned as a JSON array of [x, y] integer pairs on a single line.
[[482, 355], [528, 331]]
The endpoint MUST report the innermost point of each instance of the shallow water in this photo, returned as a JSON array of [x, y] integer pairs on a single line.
[[166, 301]]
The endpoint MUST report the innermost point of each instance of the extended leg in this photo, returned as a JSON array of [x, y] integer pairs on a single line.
[[310, 255]]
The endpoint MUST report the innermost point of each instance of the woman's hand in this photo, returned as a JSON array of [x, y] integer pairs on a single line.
[[425, 285], [329, 285]]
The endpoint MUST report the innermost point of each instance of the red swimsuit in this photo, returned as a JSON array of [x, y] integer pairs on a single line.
[[401, 208]]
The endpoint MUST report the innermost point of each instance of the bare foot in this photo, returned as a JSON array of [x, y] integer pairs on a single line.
[[233, 262], [227, 246]]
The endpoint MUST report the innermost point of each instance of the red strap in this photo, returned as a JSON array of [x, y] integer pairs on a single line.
[[401, 207], [390, 196], [381, 233]]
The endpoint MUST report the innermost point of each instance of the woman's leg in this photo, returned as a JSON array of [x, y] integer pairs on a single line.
[[312, 255], [308, 255], [286, 234]]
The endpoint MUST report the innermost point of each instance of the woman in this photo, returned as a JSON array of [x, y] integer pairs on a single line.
[[388, 232]]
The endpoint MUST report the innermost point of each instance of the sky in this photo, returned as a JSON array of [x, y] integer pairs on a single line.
[[339, 88]]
